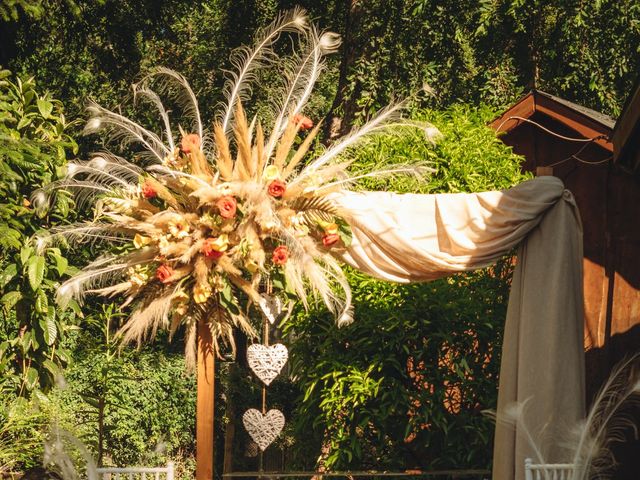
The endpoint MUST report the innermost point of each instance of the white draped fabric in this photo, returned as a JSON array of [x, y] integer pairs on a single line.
[[409, 238]]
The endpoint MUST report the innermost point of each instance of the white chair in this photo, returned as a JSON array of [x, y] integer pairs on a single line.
[[547, 471], [137, 473]]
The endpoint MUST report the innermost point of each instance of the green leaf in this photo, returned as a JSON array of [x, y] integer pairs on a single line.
[[94, 402], [24, 121], [42, 303], [10, 299], [228, 300], [49, 328], [75, 308], [45, 107], [31, 377], [61, 264], [25, 254], [51, 367], [35, 269], [7, 274]]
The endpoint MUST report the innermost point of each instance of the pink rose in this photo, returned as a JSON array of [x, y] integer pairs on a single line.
[[164, 273], [330, 239], [227, 206], [280, 255], [190, 143], [277, 188], [148, 191], [305, 122]]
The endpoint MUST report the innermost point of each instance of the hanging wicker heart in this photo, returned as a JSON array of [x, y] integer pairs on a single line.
[[267, 362], [263, 429], [271, 306]]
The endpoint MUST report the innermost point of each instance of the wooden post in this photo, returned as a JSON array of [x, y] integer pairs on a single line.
[[205, 403]]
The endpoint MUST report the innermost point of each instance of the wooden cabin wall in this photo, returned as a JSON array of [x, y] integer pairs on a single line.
[[609, 203]]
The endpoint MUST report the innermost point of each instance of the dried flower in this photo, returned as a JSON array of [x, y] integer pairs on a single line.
[[305, 122], [179, 228], [190, 143], [330, 228], [201, 292], [180, 300], [140, 241], [148, 191], [181, 309], [227, 206], [271, 173], [301, 231], [251, 266], [277, 188], [280, 255], [163, 244], [164, 273], [214, 247], [330, 239], [138, 276]]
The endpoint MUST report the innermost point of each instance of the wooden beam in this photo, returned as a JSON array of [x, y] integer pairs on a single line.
[[524, 108], [627, 127], [205, 402]]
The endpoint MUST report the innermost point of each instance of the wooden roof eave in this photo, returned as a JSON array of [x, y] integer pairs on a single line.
[[536, 102]]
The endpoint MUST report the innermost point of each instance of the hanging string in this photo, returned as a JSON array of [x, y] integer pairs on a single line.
[[587, 142], [265, 341], [551, 132]]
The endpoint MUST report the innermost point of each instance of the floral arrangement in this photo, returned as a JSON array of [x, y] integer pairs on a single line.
[[203, 219]]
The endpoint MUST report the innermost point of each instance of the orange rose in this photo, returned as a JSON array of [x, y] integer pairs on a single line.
[[305, 122], [227, 206], [164, 272], [277, 188], [148, 191], [330, 239], [280, 255], [190, 143]]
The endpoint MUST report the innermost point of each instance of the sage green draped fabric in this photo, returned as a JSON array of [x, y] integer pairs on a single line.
[[409, 238]]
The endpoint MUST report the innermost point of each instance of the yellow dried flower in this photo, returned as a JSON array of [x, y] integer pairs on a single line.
[[251, 266], [138, 276], [140, 241], [271, 173], [301, 231], [201, 292], [180, 300], [330, 228], [179, 228], [220, 244], [218, 283], [163, 244], [269, 226]]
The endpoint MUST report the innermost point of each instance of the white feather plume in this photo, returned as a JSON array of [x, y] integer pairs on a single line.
[[248, 59]]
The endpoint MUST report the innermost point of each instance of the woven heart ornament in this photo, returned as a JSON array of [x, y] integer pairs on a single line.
[[267, 362], [263, 429]]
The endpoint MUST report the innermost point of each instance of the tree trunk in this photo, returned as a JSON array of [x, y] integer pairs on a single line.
[[341, 114]]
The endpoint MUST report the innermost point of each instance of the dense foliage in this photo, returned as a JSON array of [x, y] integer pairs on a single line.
[[490, 51], [33, 150]]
